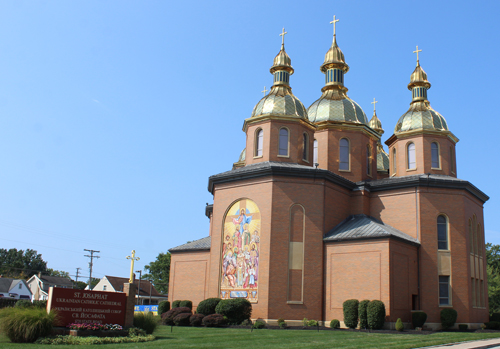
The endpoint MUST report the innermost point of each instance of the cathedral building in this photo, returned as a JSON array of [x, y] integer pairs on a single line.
[[315, 212]]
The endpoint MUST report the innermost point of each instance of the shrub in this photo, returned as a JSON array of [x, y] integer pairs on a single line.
[[196, 320], [350, 307], [176, 304], [6, 303], [163, 307], [25, 325], [448, 318], [283, 324], [168, 317], [495, 317], [418, 319], [207, 307], [375, 314], [236, 310], [247, 322], [492, 325], [280, 320], [258, 324], [134, 332], [23, 303], [463, 327], [214, 320], [40, 304], [399, 325], [335, 323], [305, 321], [74, 340], [146, 321], [363, 317], [187, 304], [182, 319], [312, 323]]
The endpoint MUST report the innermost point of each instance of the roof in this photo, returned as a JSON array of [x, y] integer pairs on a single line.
[[6, 284], [56, 280], [361, 226], [146, 285], [197, 245]]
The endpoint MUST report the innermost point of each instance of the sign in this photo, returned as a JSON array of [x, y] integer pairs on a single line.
[[146, 308], [80, 306]]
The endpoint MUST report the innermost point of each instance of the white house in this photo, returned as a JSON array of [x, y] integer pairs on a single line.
[[146, 292], [39, 285], [14, 289]]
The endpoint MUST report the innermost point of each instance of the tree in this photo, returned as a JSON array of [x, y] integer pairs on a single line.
[[493, 273], [80, 285], [59, 273], [159, 272], [21, 264]]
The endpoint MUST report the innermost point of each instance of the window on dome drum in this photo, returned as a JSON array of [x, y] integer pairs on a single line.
[[412, 163], [442, 228], [305, 150], [368, 160], [444, 290], [435, 155], [344, 164], [394, 168], [259, 142], [283, 142], [315, 151]]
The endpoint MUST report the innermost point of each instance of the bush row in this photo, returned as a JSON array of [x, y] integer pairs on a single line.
[[370, 314]]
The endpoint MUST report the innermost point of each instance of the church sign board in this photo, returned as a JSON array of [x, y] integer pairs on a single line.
[[81, 306]]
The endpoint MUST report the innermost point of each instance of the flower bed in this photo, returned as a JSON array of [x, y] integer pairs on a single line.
[[91, 329]]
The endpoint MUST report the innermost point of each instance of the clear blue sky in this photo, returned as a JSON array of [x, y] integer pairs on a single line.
[[113, 114]]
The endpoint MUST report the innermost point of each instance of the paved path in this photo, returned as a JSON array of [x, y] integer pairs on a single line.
[[483, 344]]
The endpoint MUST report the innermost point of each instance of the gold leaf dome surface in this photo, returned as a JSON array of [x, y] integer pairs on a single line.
[[382, 159], [421, 116], [419, 77], [281, 102], [282, 60], [375, 123], [334, 55], [334, 105]]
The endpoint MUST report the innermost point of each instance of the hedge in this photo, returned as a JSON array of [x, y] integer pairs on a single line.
[[335, 323], [350, 307], [448, 318], [214, 320], [163, 307], [175, 304], [207, 307], [187, 304], [24, 303], [363, 316], [376, 314], [196, 319], [168, 317], [182, 319], [495, 317], [492, 325], [418, 319], [235, 310], [7, 303]]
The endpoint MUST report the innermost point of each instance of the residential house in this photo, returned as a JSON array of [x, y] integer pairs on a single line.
[[14, 289], [39, 285], [146, 292]]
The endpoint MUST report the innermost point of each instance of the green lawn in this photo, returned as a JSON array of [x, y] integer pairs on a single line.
[[188, 337]]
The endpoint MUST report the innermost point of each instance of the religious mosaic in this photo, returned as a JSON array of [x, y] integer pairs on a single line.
[[240, 252]]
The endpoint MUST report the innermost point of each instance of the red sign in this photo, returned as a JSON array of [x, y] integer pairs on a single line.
[[79, 306]]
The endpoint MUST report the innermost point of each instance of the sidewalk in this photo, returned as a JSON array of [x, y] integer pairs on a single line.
[[483, 344]]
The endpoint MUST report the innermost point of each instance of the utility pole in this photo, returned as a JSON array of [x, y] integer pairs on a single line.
[[91, 263], [139, 288], [77, 272]]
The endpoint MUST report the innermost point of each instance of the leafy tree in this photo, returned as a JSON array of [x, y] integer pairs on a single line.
[[159, 272], [60, 273], [493, 272], [80, 285], [21, 264]]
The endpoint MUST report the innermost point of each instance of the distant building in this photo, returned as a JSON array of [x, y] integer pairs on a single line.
[[39, 285], [14, 289], [146, 292]]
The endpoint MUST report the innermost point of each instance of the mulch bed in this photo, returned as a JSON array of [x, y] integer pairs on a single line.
[[63, 331]]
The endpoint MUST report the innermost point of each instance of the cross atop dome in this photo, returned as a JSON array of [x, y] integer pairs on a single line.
[[417, 51], [374, 104], [283, 38], [334, 22]]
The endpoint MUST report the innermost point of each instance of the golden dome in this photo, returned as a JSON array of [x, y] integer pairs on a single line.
[[376, 124], [421, 116], [334, 56], [334, 105], [419, 78], [382, 159], [282, 61], [281, 102]]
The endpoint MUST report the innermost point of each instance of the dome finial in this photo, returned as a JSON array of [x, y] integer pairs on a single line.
[[374, 105], [283, 38], [375, 122], [417, 51], [334, 22]]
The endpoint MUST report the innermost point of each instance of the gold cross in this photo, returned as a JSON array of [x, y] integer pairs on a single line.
[[417, 51], [264, 90], [334, 22], [133, 258], [374, 104], [283, 37]]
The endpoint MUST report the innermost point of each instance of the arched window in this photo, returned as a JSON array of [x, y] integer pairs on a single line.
[[442, 228], [283, 142], [315, 151], [344, 164], [394, 168], [259, 142], [305, 150], [369, 160], [435, 155], [412, 162]]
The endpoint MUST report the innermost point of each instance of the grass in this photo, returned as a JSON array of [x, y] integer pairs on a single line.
[[189, 337]]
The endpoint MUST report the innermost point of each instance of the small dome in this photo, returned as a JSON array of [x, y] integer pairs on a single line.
[[375, 123], [280, 101], [419, 77], [281, 60], [334, 56], [421, 116], [334, 105], [382, 159], [243, 155]]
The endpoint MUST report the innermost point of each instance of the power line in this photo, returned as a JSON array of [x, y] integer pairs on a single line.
[[91, 264]]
